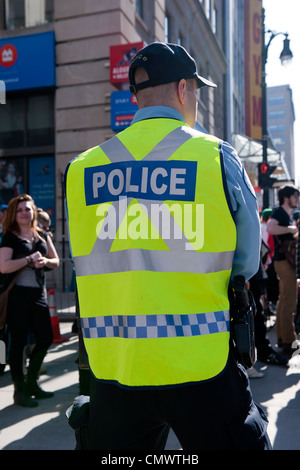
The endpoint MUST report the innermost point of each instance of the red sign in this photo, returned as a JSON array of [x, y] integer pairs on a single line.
[[8, 55], [120, 59], [124, 117], [253, 67], [133, 99]]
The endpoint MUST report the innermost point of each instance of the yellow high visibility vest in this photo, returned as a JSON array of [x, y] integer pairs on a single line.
[[152, 240]]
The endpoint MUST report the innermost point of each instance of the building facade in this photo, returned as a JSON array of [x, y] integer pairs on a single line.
[[235, 72], [58, 103], [281, 118]]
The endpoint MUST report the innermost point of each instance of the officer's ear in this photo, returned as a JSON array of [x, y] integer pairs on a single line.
[[182, 90]]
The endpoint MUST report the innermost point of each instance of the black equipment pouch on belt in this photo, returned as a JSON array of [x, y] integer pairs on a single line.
[[242, 311]]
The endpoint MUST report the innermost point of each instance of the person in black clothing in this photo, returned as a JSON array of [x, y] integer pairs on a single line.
[[282, 227], [27, 249], [296, 217]]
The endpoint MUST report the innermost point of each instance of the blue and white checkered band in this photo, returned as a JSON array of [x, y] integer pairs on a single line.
[[155, 326]]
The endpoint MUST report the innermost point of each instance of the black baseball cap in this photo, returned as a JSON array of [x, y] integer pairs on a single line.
[[165, 63]]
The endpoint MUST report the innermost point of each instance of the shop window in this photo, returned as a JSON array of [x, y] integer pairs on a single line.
[[12, 172], [12, 119], [33, 175], [27, 121], [41, 183], [20, 13], [40, 120]]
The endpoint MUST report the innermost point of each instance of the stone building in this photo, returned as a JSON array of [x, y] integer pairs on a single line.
[[58, 101]]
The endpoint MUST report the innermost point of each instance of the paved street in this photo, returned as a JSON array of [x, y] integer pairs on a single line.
[[43, 427], [279, 394], [46, 427]]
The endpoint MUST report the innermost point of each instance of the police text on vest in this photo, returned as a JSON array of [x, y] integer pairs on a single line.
[[153, 180]]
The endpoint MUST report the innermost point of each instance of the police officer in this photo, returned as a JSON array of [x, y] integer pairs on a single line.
[[161, 218]]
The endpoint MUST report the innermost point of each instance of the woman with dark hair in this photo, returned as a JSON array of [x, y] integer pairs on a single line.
[[27, 249]]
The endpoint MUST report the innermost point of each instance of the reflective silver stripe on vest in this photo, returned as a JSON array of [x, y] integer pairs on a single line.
[[116, 151], [165, 148], [160, 261], [155, 326], [178, 259]]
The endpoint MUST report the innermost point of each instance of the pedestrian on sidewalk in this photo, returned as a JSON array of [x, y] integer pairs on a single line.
[[258, 287], [44, 221], [283, 228], [155, 310], [27, 249], [268, 239]]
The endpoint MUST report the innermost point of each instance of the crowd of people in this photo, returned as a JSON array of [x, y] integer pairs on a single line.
[[275, 286], [26, 252]]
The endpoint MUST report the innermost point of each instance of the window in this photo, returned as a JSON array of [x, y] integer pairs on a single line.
[[203, 90], [279, 140], [215, 21], [208, 8], [279, 128], [276, 100], [12, 177], [27, 121], [40, 120], [276, 114], [20, 13], [167, 29], [139, 6], [34, 175], [12, 123]]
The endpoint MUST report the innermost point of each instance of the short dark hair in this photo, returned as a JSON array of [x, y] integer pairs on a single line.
[[286, 191]]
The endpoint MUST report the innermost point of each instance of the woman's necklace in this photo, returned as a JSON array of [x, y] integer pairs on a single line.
[[29, 237]]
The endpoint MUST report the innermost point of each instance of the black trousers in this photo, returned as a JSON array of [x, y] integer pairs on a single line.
[[27, 311], [218, 414]]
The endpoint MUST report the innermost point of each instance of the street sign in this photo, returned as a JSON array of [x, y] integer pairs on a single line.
[[120, 59], [28, 61], [123, 108]]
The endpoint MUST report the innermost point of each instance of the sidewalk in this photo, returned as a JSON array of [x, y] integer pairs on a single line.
[[46, 427], [278, 392]]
